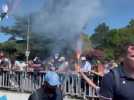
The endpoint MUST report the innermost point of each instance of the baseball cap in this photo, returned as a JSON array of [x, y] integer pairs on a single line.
[[52, 78], [83, 58]]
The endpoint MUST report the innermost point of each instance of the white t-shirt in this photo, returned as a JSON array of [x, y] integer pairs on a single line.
[[20, 64], [86, 67]]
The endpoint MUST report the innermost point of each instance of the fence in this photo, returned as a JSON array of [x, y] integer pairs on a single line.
[[73, 84]]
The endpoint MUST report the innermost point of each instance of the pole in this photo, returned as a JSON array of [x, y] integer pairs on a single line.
[[27, 46]]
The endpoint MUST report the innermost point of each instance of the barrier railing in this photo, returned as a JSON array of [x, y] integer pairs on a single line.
[[73, 84]]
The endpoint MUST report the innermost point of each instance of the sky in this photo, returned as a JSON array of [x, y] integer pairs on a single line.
[[3, 37], [115, 13]]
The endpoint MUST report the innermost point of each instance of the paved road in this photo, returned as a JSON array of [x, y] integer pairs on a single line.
[[21, 96]]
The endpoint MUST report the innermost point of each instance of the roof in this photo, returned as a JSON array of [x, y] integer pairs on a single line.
[[8, 37]]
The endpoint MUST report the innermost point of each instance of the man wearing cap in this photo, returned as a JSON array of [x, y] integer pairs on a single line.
[[50, 89]]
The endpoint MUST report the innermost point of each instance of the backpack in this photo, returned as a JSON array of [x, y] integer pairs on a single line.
[[116, 76]]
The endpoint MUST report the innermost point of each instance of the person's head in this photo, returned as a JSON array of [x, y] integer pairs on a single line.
[[129, 55], [2, 54], [56, 56], [52, 80]]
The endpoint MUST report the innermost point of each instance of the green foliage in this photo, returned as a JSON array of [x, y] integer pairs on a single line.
[[87, 46], [99, 35], [111, 40], [131, 24], [101, 28], [109, 53], [12, 48], [38, 46]]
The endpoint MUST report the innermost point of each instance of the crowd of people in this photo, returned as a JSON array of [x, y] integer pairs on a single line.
[[116, 80], [57, 63]]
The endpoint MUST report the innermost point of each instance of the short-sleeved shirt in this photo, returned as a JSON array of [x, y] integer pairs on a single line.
[[125, 90], [86, 67]]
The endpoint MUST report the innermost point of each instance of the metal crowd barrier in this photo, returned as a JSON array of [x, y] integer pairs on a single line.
[[73, 84]]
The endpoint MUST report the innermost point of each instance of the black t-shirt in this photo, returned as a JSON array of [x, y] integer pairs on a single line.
[[125, 90], [40, 94]]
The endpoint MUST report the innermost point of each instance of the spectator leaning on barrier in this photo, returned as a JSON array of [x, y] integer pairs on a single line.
[[4, 61], [50, 90], [118, 84], [85, 65], [20, 65], [37, 64], [90, 82]]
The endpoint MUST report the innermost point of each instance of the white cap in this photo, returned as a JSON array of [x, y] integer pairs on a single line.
[[83, 58], [62, 59]]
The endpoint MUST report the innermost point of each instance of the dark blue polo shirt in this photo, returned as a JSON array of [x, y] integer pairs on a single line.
[[126, 86]]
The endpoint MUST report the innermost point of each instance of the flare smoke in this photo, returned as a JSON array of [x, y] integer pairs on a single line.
[[63, 20]]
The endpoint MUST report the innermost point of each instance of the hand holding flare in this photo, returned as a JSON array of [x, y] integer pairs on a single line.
[[77, 65]]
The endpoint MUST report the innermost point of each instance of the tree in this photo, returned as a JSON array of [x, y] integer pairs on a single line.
[[112, 40], [131, 24], [12, 48], [101, 28], [100, 33]]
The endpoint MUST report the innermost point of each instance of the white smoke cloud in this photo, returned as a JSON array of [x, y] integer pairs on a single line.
[[60, 20], [63, 20], [24, 7], [61, 16]]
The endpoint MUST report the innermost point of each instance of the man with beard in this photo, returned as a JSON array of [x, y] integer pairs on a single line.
[[118, 84], [50, 89]]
